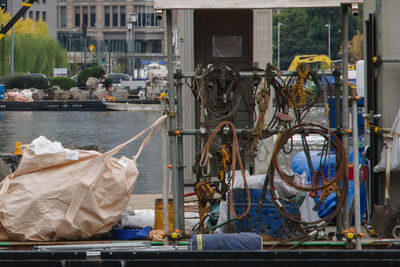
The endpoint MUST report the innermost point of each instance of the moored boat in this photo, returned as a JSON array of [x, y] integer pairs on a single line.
[[115, 106]]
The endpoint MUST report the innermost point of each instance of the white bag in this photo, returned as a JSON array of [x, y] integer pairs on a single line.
[[53, 196], [394, 145]]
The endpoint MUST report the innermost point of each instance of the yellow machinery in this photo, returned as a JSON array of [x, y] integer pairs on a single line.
[[311, 60]]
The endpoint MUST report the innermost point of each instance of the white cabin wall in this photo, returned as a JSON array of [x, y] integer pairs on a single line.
[[186, 51], [262, 54]]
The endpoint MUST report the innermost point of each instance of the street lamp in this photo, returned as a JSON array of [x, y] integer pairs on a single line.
[[132, 22], [129, 26], [279, 44], [329, 39]]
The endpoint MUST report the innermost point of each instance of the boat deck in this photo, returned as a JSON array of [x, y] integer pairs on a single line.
[[67, 105]]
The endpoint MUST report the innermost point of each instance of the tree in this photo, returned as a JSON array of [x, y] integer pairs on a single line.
[[303, 32], [35, 51], [356, 48]]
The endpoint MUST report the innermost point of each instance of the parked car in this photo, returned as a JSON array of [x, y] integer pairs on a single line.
[[118, 78], [39, 75], [75, 78]]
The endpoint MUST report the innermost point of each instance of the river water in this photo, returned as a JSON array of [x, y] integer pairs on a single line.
[[106, 129]]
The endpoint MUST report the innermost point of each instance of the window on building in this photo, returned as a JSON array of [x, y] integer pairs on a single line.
[[115, 45], [122, 16], [71, 41], [115, 16], [85, 16], [31, 15], [63, 16], [140, 46], [44, 16], [77, 17], [146, 17], [37, 15], [93, 16], [156, 46], [106, 16]]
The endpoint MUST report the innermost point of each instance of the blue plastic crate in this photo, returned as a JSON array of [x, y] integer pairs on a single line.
[[2, 91], [267, 222]]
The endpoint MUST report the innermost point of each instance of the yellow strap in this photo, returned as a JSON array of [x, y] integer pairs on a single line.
[[199, 243], [2, 35], [26, 4]]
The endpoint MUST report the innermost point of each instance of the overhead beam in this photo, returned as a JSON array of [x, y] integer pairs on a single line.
[[249, 4]]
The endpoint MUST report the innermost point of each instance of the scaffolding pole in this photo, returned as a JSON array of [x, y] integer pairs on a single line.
[[172, 127], [345, 102]]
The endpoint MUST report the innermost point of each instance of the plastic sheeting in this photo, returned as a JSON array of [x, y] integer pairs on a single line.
[[257, 182], [300, 165], [394, 144]]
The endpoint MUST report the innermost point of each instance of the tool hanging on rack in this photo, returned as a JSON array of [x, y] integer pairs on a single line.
[[222, 94], [235, 157], [224, 162]]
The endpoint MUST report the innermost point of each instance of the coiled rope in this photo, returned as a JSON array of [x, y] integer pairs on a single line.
[[336, 145]]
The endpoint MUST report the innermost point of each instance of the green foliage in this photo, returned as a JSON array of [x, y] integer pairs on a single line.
[[95, 72], [84, 75], [75, 68], [35, 54], [25, 82], [98, 72], [303, 32], [64, 83]]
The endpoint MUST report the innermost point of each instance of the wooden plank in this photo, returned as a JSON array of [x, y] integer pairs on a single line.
[[249, 4]]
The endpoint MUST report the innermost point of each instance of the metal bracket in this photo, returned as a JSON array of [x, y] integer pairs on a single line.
[[171, 114]]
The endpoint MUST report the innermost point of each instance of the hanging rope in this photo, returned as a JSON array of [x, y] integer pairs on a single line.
[[262, 100], [220, 89], [235, 158]]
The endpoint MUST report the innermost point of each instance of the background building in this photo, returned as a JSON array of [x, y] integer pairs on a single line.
[[99, 31], [45, 10]]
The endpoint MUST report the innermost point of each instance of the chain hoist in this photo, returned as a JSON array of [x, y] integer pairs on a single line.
[[205, 194], [224, 160]]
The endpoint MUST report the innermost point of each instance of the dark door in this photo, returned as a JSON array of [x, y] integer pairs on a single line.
[[224, 36]]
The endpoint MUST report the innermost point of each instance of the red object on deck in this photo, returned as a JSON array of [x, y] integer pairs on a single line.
[[189, 194], [351, 173]]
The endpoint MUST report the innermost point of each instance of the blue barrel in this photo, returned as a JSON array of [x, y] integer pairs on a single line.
[[2, 91]]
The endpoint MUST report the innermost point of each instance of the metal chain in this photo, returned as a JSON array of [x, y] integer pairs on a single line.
[[324, 89], [297, 94], [228, 199]]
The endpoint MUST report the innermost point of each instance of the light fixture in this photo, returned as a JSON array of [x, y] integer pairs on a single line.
[[130, 25], [133, 17], [328, 25]]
